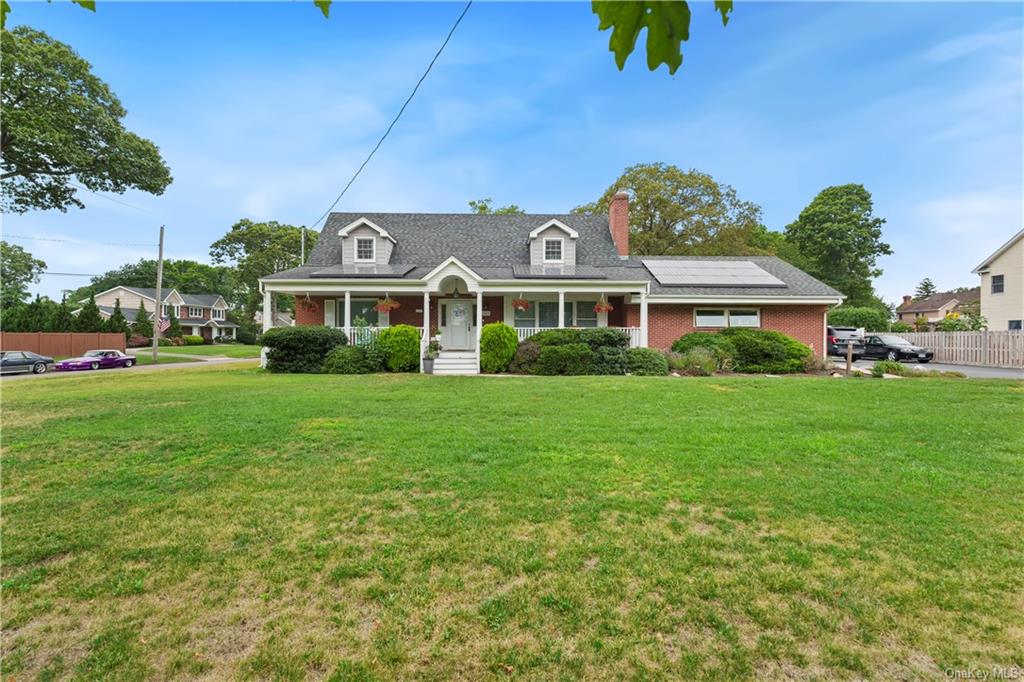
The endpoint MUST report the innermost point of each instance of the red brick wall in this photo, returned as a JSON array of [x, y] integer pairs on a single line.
[[311, 311], [667, 322]]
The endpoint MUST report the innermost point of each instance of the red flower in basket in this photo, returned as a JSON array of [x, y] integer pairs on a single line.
[[603, 307], [520, 304], [386, 305]]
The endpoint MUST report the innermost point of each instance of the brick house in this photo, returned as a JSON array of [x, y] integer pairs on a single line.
[[935, 307], [199, 314], [453, 273]]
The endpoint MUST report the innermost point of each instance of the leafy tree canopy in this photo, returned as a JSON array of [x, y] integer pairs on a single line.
[[925, 289], [841, 240], [62, 126], [18, 269], [677, 212], [483, 207], [258, 250], [187, 276]]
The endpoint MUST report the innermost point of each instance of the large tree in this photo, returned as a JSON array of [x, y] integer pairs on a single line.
[[88, 318], [143, 326], [187, 276], [258, 250], [61, 127], [18, 269], [677, 212], [841, 240], [925, 289], [483, 207]]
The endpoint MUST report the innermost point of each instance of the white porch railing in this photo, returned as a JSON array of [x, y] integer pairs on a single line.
[[361, 336], [632, 332]]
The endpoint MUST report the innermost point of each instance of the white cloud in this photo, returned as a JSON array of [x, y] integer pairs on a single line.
[[982, 215], [962, 46]]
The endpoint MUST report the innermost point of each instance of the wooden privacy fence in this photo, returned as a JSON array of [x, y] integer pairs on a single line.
[[60, 343], [988, 348]]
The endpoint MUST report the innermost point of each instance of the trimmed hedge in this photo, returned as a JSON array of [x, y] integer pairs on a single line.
[[595, 337], [401, 345], [498, 343], [872, 319], [300, 350], [646, 362], [763, 351], [567, 359], [347, 360], [607, 351], [191, 340], [721, 346], [610, 360]]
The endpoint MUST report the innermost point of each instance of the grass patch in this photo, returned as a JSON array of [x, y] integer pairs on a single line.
[[161, 359], [379, 527], [227, 350]]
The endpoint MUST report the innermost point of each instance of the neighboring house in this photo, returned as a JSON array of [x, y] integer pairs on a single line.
[[935, 308], [453, 273], [282, 318], [1002, 285], [199, 314]]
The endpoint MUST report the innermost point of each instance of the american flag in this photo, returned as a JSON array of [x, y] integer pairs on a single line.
[[165, 322]]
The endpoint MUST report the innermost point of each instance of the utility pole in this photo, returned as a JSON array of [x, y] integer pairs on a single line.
[[159, 301]]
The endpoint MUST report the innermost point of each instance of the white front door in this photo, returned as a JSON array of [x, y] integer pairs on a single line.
[[456, 324]]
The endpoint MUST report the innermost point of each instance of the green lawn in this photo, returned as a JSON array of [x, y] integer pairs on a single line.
[[161, 359], [228, 350], [234, 524]]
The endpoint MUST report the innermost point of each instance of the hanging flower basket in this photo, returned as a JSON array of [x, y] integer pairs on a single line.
[[520, 304], [386, 305], [603, 307]]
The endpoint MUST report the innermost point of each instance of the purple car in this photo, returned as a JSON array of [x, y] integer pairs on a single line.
[[96, 359]]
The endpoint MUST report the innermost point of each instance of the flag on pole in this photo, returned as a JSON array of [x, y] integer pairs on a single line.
[[165, 323]]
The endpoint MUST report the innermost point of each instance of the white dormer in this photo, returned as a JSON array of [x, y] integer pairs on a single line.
[[363, 242], [553, 244]]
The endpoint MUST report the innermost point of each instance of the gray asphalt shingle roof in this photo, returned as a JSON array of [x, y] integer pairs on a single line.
[[496, 246]]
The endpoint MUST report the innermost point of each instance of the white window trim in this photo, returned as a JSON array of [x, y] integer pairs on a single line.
[[561, 250], [728, 321], [218, 314], [195, 311], [373, 250]]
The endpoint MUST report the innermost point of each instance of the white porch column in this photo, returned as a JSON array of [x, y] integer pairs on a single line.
[[643, 319], [425, 338], [479, 322], [561, 309], [268, 311], [348, 311]]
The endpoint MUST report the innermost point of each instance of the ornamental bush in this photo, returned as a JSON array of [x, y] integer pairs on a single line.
[[556, 337], [302, 349], [192, 340], [871, 319], [696, 362], [567, 359], [525, 359], [610, 360], [138, 341], [498, 343], [347, 360], [720, 346], [888, 367], [374, 356], [401, 345], [763, 351], [901, 327], [646, 362], [603, 337]]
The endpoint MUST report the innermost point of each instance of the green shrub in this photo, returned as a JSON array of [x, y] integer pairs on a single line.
[[569, 359], [696, 362], [401, 345], [720, 346], [871, 319], [191, 340], [525, 359], [498, 343], [243, 335], [375, 356], [646, 362], [763, 351], [302, 349], [603, 337], [610, 360], [888, 367], [556, 337], [347, 360], [901, 327]]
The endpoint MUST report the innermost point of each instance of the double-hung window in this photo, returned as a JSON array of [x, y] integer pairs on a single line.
[[726, 317], [997, 284], [585, 315], [365, 250], [218, 314], [195, 313], [553, 250]]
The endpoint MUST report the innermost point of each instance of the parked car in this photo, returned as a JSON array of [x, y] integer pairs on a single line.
[[97, 359], [889, 347], [12, 361], [838, 337]]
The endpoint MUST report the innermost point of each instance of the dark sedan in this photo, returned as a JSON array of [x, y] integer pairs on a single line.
[[889, 347], [96, 359], [12, 361]]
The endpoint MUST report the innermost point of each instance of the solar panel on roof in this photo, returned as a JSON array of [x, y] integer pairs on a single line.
[[718, 273]]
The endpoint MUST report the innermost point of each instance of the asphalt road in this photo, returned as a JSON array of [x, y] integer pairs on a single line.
[[969, 370]]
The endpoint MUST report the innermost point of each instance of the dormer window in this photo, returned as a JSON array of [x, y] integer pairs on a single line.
[[366, 250], [553, 250]]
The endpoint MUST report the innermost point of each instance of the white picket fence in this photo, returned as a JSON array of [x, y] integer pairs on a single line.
[[986, 348]]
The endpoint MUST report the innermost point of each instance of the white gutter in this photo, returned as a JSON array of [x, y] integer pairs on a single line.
[[743, 300]]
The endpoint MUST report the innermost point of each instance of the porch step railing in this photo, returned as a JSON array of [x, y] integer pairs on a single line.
[[361, 336], [633, 333]]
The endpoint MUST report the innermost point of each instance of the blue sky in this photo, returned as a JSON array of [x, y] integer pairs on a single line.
[[263, 110]]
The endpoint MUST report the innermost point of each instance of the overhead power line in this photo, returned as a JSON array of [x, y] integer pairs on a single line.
[[109, 198], [72, 241], [69, 274], [398, 116]]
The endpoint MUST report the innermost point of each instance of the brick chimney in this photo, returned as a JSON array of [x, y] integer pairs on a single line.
[[907, 300], [618, 222]]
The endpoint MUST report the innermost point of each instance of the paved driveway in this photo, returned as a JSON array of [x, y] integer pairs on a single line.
[[969, 370]]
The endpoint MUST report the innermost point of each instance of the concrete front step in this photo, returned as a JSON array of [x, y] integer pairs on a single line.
[[457, 355]]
